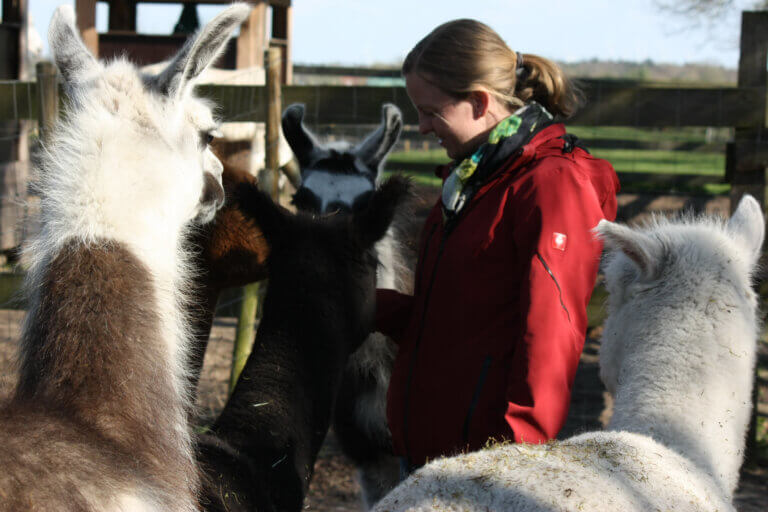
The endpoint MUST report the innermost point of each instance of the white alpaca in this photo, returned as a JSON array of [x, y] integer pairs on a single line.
[[98, 418], [677, 354]]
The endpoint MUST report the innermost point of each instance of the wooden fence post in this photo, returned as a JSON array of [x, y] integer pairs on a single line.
[[48, 98], [750, 145], [748, 156], [86, 22], [250, 42], [245, 332], [14, 150], [273, 59]]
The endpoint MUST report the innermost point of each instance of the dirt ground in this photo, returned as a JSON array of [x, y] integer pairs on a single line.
[[334, 487]]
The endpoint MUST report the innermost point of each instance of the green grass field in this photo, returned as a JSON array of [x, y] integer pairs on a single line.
[[665, 162], [656, 135], [625, 161]]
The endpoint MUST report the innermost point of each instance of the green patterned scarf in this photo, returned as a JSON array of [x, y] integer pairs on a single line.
[[507, 137]]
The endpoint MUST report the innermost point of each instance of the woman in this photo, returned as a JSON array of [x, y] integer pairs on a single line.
[[490, 341]]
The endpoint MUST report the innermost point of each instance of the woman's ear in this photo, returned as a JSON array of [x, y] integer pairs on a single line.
[[480, 101]]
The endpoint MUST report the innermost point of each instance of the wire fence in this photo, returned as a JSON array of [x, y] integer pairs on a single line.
[[661, 138], [686, 155]]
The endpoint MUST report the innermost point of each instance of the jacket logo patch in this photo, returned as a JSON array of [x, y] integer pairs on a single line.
[[558, 241]]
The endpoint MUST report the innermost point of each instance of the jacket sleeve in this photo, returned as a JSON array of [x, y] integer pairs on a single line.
[[555, 211], [393, 312]]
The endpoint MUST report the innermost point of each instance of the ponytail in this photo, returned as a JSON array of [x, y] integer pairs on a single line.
[[543, 81]]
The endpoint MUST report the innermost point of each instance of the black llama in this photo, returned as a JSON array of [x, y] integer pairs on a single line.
[[339, 177], [319, 307]]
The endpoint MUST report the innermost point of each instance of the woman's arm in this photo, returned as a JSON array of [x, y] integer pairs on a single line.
[[393, 312]]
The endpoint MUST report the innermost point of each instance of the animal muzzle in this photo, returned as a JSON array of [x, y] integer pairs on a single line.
[[324, 191], [211, 198]]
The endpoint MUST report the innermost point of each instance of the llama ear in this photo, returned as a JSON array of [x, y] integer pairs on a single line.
[[200, 51], [644, 251], [375, 148], [73, 59], [372, 222], [747, 225], [302, 142]]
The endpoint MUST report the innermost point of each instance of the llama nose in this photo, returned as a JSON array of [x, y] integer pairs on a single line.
[[213, 190], [212, 164], [218, 169]]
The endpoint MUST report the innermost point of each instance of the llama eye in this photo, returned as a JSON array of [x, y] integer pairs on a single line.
[[206, 138]]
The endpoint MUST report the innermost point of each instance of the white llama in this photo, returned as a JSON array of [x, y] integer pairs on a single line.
[[98, 418], [677, 354]]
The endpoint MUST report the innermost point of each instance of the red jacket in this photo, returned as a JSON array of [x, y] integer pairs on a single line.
[[490, 341]]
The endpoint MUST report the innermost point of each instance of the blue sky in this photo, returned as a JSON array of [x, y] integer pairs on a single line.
[[355, 32]]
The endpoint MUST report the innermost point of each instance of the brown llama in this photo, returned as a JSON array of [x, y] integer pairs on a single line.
[[228, 252], [98, 419], [319, 307]]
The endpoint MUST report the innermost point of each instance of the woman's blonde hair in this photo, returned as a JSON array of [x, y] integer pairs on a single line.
[[460, 55]]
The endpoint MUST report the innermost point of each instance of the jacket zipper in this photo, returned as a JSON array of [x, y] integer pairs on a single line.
[[411, 366], [476, 397], [559, 290]]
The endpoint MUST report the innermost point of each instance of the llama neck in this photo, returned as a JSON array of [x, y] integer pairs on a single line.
[[698, 408], [98, 347]]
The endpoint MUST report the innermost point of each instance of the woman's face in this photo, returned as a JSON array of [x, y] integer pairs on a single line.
[[455, 122]]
